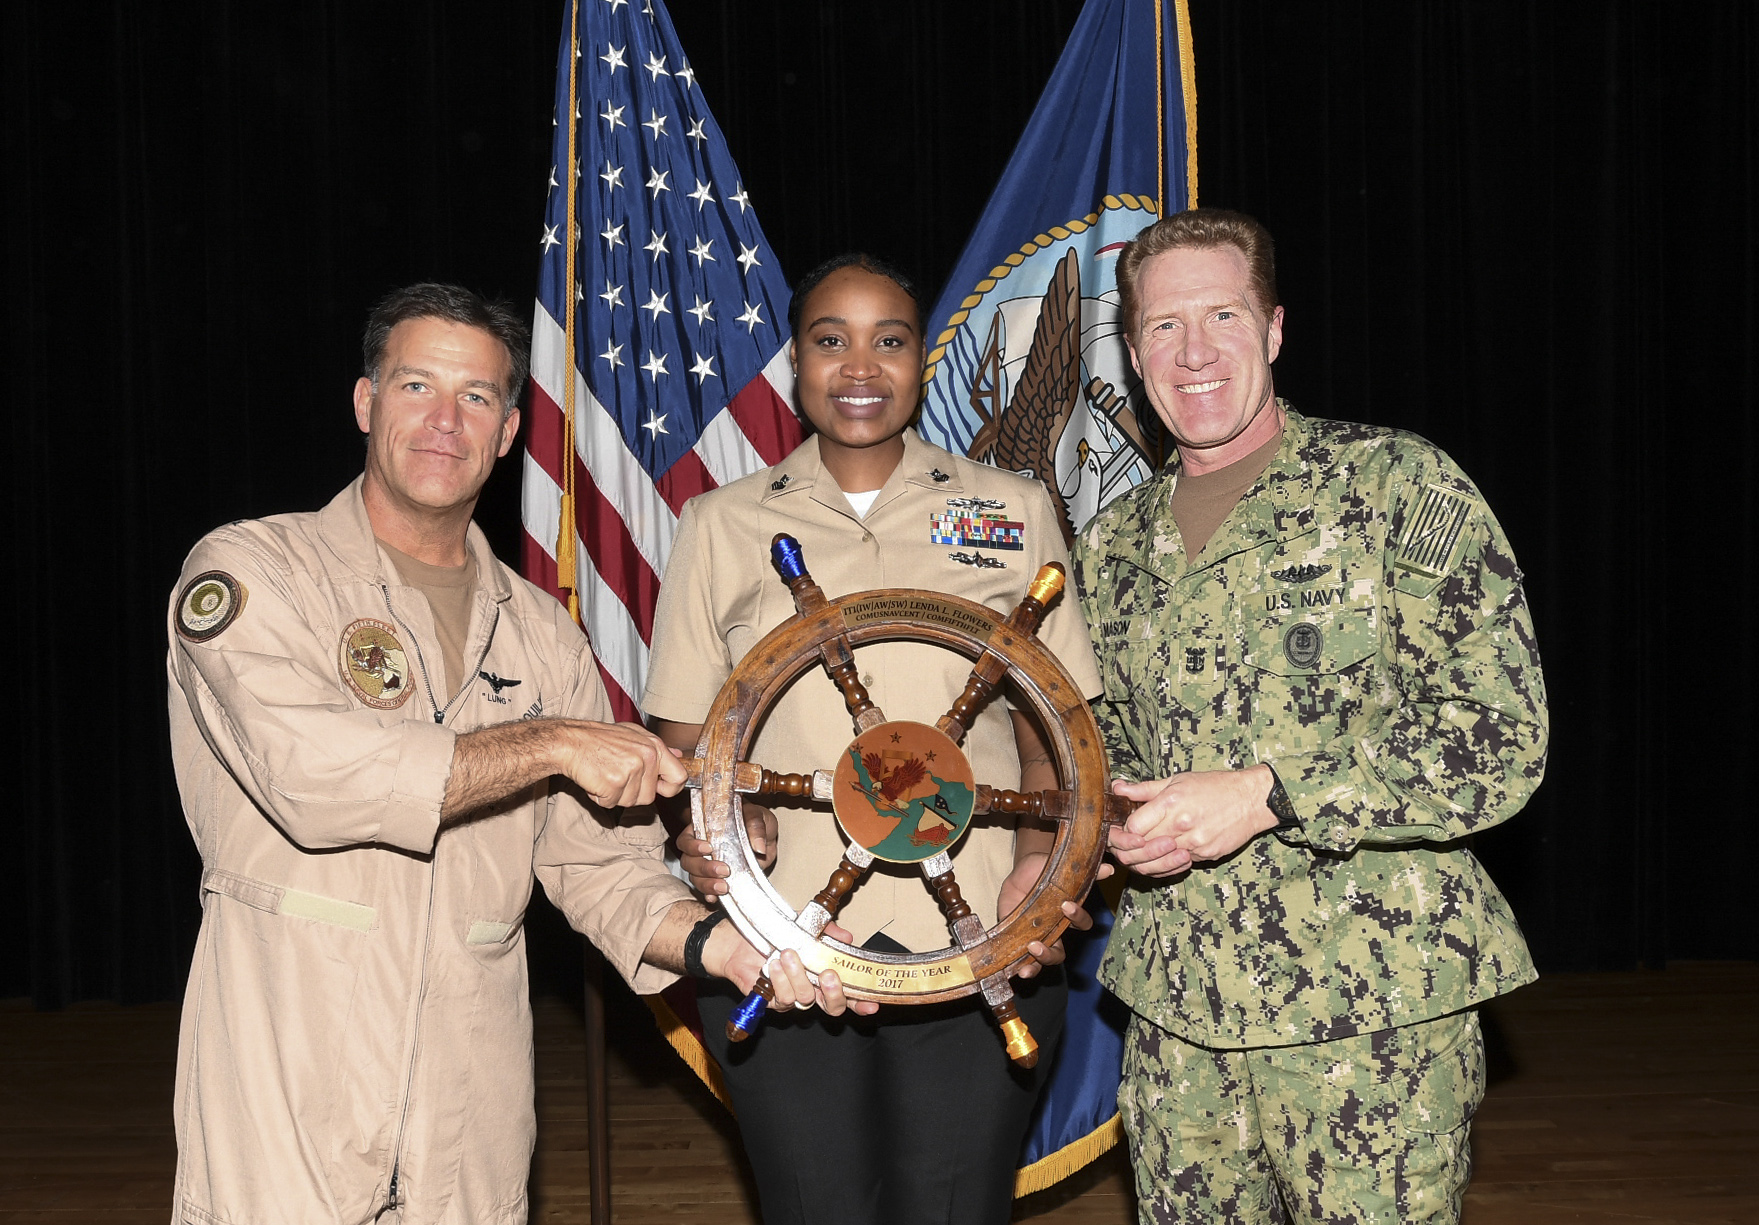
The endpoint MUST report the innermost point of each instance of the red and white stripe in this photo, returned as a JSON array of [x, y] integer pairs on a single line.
[[624, 521]]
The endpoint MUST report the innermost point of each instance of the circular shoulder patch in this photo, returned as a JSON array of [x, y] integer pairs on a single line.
[[210, 603], [374, 664], [1303, 643]]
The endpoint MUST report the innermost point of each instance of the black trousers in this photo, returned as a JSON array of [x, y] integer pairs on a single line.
[[913, 1116]]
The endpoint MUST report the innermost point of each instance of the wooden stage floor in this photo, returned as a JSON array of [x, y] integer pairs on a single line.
[[1614, 1098]]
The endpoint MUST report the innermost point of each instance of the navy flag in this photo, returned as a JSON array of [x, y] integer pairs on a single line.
[[1028, 370]]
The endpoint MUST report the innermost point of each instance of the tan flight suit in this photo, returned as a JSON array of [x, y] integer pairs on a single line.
[[356, 1011]]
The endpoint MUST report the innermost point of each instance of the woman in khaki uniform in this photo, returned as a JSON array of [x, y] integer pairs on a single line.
[[914, 1113]]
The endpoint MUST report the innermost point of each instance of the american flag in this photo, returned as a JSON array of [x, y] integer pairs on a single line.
[[677, 377]]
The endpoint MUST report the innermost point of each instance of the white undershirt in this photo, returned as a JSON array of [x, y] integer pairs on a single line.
[[862, 502]]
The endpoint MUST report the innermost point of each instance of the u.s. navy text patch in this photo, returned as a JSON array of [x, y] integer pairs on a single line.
[[1428, 545], [208, 604]]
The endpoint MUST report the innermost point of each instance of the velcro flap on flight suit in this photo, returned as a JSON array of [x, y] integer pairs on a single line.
[[487, 931], [275, 899]]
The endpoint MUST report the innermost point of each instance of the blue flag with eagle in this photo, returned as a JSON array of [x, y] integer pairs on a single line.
[[1028, 371]]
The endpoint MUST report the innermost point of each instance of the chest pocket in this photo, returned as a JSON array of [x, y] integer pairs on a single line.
[[1315, 676], [1311, 642]]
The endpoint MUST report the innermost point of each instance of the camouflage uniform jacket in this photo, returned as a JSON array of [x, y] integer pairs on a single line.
[[1357, 622]]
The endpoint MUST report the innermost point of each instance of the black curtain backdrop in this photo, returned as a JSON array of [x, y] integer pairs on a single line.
[[1525, 230]]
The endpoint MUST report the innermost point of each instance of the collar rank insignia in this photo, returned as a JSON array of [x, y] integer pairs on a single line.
[[209, 603], [939, 477], [374, 664], [1427, 545], [1300, 574], [496, 683], [780, 482], [979, 560]]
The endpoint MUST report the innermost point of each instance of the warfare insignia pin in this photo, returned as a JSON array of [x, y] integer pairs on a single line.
[[978, 560], [374, 664], [210, 603], [1300, 574], [1427, 547], [1303, 643]]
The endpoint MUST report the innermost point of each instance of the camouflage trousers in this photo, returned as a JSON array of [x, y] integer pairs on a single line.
[[1365, 1129]]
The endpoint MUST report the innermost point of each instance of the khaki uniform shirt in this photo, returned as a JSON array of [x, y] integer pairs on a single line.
[[1358, 624], [357, 1006], [721, 595]]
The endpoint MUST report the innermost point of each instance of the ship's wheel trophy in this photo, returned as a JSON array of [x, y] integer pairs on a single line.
[[904, 791]]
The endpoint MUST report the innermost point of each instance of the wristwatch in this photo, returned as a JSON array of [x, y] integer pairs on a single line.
[[697, 940], [1278, 803]]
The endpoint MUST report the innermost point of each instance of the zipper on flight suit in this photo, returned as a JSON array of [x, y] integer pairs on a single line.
[[440, 712]]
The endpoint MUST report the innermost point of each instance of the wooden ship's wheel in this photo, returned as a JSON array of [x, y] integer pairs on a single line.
[[904, 792]]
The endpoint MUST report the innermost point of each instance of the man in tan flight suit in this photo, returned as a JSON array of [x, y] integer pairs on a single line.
[[381, 734]]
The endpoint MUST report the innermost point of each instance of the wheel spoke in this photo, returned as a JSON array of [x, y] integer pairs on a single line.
[[1051, 804], [827, 901], [749, 778], [990, 667], [968, 930], [837, 654]]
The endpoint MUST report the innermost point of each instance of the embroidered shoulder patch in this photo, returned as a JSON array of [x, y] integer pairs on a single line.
[[374, 664], [208, 604], [1433, 531]]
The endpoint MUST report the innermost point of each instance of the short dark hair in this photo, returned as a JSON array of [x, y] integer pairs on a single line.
[[455, 304], [1199, 228], [852, 259]]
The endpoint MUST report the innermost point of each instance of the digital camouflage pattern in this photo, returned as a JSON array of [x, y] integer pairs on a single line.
[[1358, 624], [1365, 1129]]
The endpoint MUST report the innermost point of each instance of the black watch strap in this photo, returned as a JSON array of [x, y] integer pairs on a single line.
[[697, 940], [1279, 804]]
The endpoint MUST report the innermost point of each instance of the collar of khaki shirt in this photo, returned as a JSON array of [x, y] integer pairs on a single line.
[[802, 474]]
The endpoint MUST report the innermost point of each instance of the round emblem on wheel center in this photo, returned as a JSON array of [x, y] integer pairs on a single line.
[[904, 791]]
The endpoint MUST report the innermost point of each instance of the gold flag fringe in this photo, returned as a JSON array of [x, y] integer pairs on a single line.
[[1052, 1168], [689, 1047]]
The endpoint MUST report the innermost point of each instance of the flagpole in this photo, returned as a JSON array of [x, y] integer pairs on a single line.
[[1188, 93], [567, 567], [1160, 110]]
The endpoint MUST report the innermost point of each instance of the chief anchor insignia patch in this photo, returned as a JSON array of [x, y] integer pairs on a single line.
[[374, 664], [1303, 643], [1427, 547], [210, 603]]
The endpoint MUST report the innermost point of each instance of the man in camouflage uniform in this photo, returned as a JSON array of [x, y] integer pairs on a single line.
[[1320, 677]]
